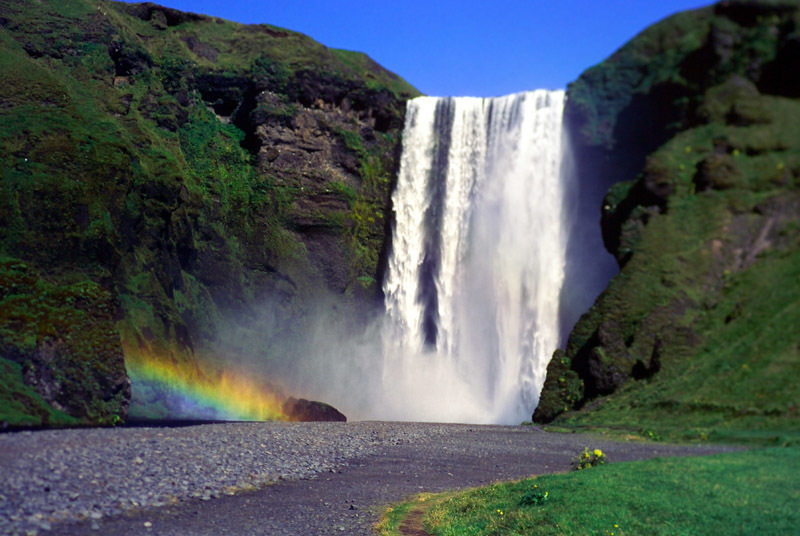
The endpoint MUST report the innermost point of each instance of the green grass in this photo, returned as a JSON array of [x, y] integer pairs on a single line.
[[376, 76], [236, 47], [393, 516], [753, 492]]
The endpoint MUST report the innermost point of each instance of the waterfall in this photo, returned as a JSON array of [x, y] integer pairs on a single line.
[[477, 263]]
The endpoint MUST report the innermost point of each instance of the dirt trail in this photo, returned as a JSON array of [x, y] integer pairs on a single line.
[[412, 524]]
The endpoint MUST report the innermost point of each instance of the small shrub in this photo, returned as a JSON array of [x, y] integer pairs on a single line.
[[534, 497], [649, 434], [588, 459]]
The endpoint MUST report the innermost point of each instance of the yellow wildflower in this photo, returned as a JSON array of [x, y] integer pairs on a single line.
[[598, 452]]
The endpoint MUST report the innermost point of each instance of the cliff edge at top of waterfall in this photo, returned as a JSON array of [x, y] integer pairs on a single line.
[[695, 126], [164, 173]]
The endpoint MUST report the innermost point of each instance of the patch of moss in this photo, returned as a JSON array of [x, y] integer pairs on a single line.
[[64, 340], [23, 407]]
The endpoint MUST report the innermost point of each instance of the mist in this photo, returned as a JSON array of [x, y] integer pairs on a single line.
[[496, 252], [472, 293]]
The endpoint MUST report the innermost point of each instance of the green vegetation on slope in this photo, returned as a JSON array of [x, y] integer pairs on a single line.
[[193, 167], [23, 406], [739, 385], [697, 337], [753, 492], [59, 346]]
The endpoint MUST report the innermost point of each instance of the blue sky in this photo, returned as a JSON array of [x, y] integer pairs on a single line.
[[466, 47]]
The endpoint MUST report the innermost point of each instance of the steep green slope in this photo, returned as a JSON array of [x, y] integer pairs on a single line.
[[696, 122], [193, 168]]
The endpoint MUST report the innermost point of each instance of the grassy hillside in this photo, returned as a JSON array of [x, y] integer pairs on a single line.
[[741, 493], [191, 167], [695, 122]]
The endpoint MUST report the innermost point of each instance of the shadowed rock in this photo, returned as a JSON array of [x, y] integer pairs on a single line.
[[302, 410]]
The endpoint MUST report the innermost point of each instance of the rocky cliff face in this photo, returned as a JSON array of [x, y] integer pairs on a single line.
[[694, 126], [187, 169]]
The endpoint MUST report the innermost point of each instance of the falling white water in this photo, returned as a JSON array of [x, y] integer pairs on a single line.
[[477, 263]]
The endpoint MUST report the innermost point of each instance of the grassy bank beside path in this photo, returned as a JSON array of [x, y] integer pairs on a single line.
[[752, 492]]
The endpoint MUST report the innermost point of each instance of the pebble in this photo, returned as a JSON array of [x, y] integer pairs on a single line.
[[57, 476]]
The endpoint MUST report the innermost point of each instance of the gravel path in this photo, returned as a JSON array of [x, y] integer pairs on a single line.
[[327, 478]]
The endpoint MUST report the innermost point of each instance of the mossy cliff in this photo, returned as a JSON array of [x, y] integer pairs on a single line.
[[180, 170], [62, 359], [695, 126]]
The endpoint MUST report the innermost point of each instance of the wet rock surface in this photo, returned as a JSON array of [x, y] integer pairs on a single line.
[[264, 478]]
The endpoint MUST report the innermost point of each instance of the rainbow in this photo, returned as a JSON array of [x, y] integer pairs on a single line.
[[209, 390]]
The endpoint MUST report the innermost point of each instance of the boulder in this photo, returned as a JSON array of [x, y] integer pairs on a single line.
[[302, 410]]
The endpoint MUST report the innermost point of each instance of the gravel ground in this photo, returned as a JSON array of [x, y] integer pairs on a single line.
[[328, 478]]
